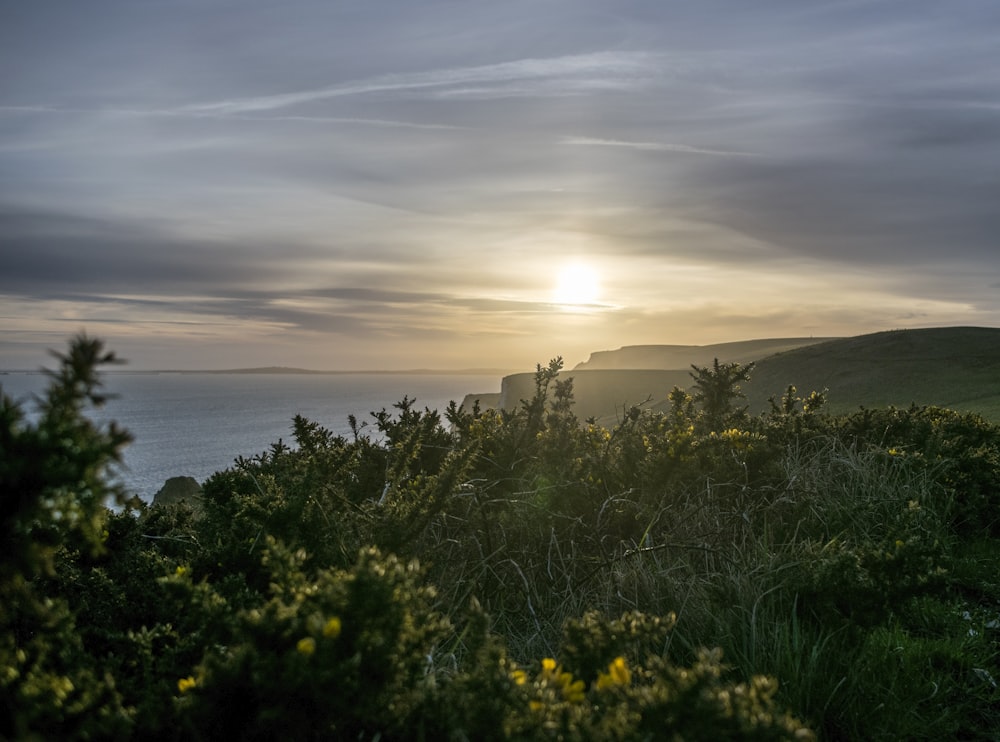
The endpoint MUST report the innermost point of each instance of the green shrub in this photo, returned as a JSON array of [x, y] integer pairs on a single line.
[[829, 558], [339, 656], [53, 490]]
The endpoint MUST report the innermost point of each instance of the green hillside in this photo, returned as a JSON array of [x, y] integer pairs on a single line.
[[954, 367]]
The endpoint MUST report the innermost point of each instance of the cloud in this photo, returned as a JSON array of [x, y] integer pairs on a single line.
[[654, 147], [102, 271], [50, 251], [377, 172], [870, 211], [582, 71], [177, 113]]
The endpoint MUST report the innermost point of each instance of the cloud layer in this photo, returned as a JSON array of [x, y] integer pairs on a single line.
[[397, 184]]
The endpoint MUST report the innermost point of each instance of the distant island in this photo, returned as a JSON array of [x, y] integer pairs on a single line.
[[289, 370], [394, 372]]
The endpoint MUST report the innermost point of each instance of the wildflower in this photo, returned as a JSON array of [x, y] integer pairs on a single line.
[[619, 671], [186, 684], [182, 571], [331, 629], [617, 674], [899, 543], [62, 686], [306, 646], [520, 677], [572, 691]]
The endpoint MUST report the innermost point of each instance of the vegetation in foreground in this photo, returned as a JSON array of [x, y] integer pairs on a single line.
[[695, 574]]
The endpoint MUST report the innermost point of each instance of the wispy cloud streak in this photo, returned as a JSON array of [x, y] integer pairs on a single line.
[[138, 112], [655, 147], [599, 66]]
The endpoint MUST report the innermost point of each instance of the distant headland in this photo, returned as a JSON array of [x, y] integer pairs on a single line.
[[953, 367], [289, 370]]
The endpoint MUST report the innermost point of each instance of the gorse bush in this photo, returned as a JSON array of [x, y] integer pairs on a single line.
[[511, 574], [53, 485]]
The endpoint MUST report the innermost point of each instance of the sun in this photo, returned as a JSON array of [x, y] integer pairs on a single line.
[[576, 284]]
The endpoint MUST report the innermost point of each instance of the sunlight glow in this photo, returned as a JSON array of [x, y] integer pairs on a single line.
[[576, 284]]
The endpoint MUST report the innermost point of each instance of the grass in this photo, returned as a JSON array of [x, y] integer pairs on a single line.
[[955, 367], [735, 563]]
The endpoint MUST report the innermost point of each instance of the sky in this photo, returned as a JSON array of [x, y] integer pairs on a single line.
[[392, 184]]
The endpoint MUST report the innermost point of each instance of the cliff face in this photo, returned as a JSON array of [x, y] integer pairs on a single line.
[[682, 356], [611, 381], [954, 367], [487, 401]]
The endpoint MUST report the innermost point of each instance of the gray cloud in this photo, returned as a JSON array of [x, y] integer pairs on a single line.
[[878, 212], [373, 170], [50, 251]]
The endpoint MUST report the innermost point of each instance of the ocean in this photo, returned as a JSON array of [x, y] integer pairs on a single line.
[[195, 424]]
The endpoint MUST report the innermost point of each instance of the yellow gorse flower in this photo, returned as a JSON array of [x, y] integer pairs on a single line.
[[306, 646], [571, 690], [331, 629], [520, 677], [617, 674], [186, 684]]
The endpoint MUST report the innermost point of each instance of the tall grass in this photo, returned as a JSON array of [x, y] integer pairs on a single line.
[[733, 560]]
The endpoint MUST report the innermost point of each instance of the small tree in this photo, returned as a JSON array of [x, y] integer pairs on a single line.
[[717, 388], [53, 491], [53, 474]]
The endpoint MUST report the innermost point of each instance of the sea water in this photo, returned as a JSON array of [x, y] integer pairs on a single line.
[[195, 424]]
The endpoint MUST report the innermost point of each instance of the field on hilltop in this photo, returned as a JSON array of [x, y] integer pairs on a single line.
[[953, 367]]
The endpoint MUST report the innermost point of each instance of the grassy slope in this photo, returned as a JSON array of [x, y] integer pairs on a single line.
[[955, 367]]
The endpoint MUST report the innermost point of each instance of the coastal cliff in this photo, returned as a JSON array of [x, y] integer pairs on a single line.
[[682, 356], [953, 367], [612, 381]]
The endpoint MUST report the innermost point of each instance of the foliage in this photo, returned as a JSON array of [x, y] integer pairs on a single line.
[[697, 574], [52, 472], [338, 655], [717, 388], [963, 448], [52, 495]]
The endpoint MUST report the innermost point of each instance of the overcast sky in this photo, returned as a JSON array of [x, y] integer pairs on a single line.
[[400, 184]]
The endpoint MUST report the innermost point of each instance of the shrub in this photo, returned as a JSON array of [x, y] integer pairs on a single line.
[[824, 555], [52, 495]]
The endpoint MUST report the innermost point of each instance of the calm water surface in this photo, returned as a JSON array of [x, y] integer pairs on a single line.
[[197, 424]]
